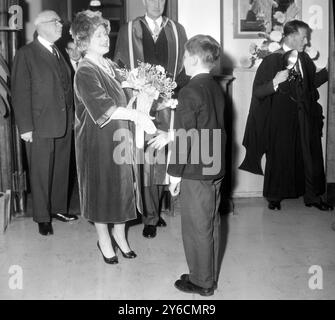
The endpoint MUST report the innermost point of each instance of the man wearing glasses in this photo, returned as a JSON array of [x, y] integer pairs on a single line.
[[43, 108]]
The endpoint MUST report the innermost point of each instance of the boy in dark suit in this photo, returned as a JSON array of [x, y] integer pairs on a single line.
[[197, 165]]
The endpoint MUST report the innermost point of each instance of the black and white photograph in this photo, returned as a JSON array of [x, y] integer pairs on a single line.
[[254, 16], [167, 155]]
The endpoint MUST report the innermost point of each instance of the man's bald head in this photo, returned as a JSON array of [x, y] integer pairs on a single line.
[[49, 25]]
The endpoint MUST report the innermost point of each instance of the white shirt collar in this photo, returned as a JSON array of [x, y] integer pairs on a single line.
[[74, 63], [200, 72], [151, 22], [286, 48], [45, 43]]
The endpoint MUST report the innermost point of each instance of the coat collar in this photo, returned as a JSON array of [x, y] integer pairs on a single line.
[[202, 76], [50, 58]]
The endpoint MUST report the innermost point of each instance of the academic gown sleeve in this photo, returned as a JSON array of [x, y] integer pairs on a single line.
[[256, 131]]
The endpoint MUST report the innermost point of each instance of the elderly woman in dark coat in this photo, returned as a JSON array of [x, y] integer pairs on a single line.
[[104, 144]]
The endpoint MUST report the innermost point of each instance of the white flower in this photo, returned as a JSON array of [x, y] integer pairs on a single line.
[[161, 69], [274, 46], [151, 91], [276, 36], [279, 28], [172, 103], [246, 62], [253, 48], [280, 17], [312, 52], [133, 73]]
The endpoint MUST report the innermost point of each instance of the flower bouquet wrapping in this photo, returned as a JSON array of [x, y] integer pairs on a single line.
[[149, 83]]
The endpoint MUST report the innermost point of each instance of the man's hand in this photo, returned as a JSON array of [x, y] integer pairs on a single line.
[[174, 189], [160, 141], [27, 137], [280, 77]]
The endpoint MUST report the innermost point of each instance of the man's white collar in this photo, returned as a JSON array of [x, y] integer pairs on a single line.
[[286, 48], [47, 44], [151, 22]]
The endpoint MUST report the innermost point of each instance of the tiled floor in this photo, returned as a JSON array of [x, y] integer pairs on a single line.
[[267, 256]]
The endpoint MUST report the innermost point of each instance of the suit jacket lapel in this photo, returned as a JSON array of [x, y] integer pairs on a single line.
[[48, 57]]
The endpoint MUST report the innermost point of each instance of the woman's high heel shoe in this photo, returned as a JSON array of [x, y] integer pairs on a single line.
[[128, 255], [112, 260]]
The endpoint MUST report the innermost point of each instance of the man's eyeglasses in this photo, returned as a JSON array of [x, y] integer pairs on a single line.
[[55, 21]]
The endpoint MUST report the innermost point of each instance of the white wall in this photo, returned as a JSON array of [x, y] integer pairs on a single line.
[[135, 8], [200, 17], [35, 7]]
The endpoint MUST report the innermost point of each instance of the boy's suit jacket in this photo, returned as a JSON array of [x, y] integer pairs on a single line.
[[200, 106]]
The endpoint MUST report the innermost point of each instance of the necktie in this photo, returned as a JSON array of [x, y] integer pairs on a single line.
[[156, 31], [55, 51], [298, 70]]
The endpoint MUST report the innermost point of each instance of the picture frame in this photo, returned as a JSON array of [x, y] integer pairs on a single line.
[[248, 23]]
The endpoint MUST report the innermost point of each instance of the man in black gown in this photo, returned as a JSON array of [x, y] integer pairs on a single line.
[[285, 123]]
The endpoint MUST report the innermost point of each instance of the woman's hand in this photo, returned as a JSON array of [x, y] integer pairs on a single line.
[[141, 119], [161, 140]]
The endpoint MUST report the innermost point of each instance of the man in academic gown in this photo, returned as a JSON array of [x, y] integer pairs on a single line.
[[157, 40], [285, 123]]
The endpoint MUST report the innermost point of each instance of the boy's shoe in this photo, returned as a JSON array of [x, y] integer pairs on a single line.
[[186, 277], [189, 287]]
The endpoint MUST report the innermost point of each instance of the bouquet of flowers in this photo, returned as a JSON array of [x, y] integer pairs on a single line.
[[149, 83]]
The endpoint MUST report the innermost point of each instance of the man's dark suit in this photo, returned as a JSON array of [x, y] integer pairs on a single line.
[[43, 104]]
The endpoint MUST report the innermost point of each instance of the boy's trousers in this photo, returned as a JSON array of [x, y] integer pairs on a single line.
[[200, 222]]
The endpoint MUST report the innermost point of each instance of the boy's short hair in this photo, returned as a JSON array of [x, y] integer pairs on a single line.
[[205, 47]]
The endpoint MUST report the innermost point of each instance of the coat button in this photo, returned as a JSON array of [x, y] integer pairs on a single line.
[[63, 109]]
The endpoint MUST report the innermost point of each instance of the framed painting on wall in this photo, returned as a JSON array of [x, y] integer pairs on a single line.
[[254, 16]]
